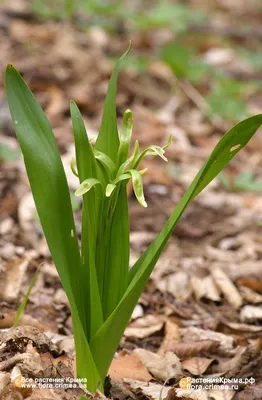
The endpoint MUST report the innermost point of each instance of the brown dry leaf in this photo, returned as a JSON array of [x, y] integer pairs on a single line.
[[204, 288], [144, 327], [233, 366], [191, 334], [221, 394], [176, 284], [197, 365], [242, 327], [198, 394], [227, 287], [121, 391], [172, 337], [128, 366], [250, 295], [250, 267], [12, 278], [251, 283], [250, 313], [183, 350], [152, 390], [162, 367]]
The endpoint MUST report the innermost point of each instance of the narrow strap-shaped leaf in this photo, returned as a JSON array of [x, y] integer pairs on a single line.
[[48, 181], [114, 326], [108, 140], [125, 138], [52, 199], [92, 198], [118, 254]]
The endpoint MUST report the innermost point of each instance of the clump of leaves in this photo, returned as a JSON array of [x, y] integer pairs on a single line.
[[101, 288]]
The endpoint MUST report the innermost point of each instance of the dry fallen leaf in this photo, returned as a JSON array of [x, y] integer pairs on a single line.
[[250, 313], [144, 327], [250, 295], [183, 350], [128, 366], [162, 367], [152, 390], [176, 284], [233, 366], [191, 334], [204, 288], [227, 287], [251, 283], [172, 337], [242, 327], [197, 365], [198, 394]]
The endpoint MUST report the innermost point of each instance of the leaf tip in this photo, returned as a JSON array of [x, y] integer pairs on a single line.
[[9, 66]]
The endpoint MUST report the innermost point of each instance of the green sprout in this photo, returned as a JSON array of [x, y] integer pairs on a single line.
[[101, 288]]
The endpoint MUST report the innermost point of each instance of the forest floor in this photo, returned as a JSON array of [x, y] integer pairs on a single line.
[[200, 315]]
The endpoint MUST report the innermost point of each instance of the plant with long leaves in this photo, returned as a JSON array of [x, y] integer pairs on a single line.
[[101, 288]]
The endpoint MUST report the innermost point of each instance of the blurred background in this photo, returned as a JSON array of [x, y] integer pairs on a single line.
[[193, 72]]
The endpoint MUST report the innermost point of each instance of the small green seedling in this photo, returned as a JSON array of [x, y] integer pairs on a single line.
[[101, 288]]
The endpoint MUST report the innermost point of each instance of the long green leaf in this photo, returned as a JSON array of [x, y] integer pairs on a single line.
[[87, 169], [108, 140], [114, 326], [118, 254], [47, 178], [51, 194]]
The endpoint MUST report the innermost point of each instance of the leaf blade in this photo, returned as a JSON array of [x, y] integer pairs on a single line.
[[45, 171], [87, 169], [108, 141]]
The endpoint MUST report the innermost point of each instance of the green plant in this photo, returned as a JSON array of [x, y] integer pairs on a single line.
[[101, 288]]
